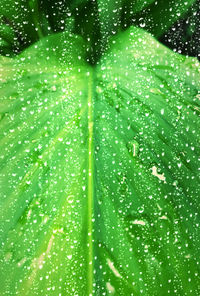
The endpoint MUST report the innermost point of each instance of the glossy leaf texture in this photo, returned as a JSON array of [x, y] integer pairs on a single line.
[[99, 169]]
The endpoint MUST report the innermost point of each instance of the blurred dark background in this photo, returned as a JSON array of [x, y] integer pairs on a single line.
[[184, 36]]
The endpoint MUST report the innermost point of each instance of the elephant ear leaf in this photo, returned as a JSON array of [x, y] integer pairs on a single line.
[[99, 169]]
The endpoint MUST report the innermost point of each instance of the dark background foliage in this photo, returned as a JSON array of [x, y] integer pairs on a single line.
[[24, 22], [184, 35]]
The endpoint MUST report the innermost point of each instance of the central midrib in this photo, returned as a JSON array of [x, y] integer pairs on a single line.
[[90, 184]]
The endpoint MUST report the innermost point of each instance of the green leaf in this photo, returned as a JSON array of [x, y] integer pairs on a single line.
[[184, 34], [137, 5], [7, 33], [76, 3], [23, 17], [20, 25], [7, 38], [158, 17], [111, 11], [99, 169], [154, 16]]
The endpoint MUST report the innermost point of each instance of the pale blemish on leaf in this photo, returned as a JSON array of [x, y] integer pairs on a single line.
[[114, 270], [156, 174], [110, 288], [187, 256], [163, 217], [133, 148], [156, 91], [139, 222]]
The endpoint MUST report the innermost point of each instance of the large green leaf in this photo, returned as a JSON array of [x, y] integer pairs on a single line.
[[99, 169]]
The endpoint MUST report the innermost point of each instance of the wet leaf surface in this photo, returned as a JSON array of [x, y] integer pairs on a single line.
[[99, 169]]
